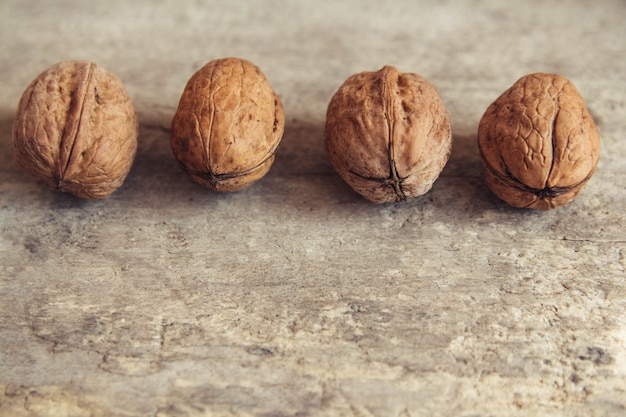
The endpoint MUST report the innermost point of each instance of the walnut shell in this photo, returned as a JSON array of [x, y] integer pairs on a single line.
[[76, 130], [228, 125], [538, 142], [388, 134]]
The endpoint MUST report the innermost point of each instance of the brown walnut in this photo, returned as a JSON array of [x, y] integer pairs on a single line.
[[538, 142], [228, 125], [388, 134], [76, 130]]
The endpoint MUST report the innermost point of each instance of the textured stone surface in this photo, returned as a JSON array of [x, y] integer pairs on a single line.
[[296, 296]]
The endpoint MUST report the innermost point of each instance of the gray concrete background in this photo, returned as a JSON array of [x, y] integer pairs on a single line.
[[296, 296]]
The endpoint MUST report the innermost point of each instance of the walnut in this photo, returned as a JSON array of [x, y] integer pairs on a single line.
[[388, 134], [538, 142], [76, 130], [228, 125]]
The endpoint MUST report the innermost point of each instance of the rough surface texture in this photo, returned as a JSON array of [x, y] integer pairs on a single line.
[[296, 296], [76, 130], [538, 142], [228, 125], [388, 134]]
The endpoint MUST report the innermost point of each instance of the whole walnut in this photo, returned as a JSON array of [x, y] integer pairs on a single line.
[[388, 134], [76, 130], [538, 142], [228, 125]]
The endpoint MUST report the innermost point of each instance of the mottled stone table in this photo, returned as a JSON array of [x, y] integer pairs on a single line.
[[296, 296]]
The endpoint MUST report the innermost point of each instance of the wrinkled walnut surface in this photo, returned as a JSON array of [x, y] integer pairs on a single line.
[[538, 142], [76, 130], [388, 134], [228, 125]]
